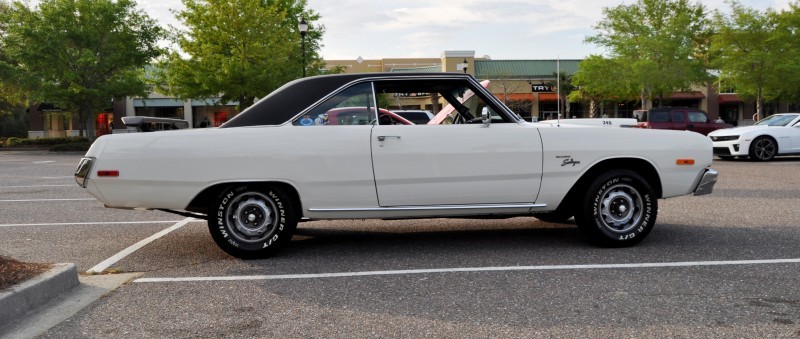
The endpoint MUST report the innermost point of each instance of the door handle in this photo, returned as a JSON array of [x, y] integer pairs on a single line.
[[382, 138]]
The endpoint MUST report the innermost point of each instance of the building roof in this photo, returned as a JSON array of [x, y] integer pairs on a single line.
[[523, 69], [426, 69]]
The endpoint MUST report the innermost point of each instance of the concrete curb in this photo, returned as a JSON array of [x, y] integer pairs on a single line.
[[19, 300]]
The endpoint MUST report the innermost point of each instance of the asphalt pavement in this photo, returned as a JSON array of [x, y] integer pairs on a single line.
[[721, 265]]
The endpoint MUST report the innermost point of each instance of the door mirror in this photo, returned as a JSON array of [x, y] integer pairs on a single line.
[[485, 117]]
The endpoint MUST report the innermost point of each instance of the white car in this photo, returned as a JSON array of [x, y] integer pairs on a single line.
[[777, 134], [256, 176]]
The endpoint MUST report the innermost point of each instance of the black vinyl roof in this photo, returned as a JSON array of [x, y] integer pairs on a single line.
[[294, 97]]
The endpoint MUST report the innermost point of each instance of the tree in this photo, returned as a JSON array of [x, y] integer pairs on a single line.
[[505, 84], [12, 98], [662, 42], [562, 85], [593, 82], [80, 54], [239, 50], [745, 49]]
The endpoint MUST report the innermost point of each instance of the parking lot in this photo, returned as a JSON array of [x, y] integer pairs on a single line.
[[720, 265]]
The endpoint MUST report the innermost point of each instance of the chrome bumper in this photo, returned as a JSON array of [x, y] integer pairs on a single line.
[[83, 171], [707, 182]]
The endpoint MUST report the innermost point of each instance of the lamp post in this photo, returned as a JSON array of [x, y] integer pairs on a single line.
[[303, 28]]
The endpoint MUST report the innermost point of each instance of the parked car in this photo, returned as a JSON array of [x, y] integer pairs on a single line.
[[680, 119], [777, 134], [419, 117], [256, 176], [359, 116], [153, 124]]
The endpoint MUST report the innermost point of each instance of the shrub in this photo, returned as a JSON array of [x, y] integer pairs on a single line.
[[71, 147], [13, 141]]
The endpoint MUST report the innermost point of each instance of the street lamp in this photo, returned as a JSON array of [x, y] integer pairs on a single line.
[[465, 65], [303, 28]]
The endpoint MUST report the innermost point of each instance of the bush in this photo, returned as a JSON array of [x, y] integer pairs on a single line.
[[71, 147], [13, 141]]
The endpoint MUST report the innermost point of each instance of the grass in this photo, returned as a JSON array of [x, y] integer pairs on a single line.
[[13, 272]]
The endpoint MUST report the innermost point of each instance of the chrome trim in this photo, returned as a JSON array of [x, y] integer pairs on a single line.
[[706, 185], [82, 172], [426, 208]]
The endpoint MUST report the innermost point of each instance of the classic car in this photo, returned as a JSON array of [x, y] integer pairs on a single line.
[[259, 174], [777, 134]]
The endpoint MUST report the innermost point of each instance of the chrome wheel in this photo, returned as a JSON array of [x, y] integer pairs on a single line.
[[621, 208], [252, 216], [763, 149]]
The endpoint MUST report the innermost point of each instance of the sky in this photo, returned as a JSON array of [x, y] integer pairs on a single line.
[[500, 29]]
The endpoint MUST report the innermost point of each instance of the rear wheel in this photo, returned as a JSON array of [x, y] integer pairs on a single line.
[[619, 210], [252, 221], [763, 149]]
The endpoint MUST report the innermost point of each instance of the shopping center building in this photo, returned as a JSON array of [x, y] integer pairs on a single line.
[[524, 85]]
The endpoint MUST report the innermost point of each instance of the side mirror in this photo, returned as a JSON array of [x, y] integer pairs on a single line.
[[485, 117]]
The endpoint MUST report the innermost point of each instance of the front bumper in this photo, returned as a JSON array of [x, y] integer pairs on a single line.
[[731, 147], [707, 181]]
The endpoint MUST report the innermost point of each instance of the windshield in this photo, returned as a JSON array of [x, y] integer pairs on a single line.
[[777, 120]]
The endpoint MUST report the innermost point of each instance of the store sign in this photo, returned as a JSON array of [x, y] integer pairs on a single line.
[[541, 88]]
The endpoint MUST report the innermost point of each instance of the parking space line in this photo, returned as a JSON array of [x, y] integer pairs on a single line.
[[469, 269], [133, 248], [40, 200], [96, 223], [26, 186], [61, 177]]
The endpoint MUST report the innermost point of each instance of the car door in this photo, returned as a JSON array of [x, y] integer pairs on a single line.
[[422, 165], [698, 121], [678, 121]]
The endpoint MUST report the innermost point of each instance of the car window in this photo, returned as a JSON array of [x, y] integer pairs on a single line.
[[698, 117], [659, 117], [777, 120], [352, 106], [435, 96], [677, 117]]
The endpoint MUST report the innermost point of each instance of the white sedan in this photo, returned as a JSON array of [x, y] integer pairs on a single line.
[[273, 165], [778, 134]]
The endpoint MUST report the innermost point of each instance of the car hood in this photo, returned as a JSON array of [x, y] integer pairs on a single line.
[[737, 130]]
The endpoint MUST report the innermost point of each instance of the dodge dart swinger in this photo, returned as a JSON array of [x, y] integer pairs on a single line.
[[282, 161]]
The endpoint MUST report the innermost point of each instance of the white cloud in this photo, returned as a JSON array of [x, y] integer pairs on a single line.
[[504, 29]]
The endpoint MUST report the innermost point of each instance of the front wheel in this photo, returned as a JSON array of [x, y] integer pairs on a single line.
[[619, 210], [252, 221], [763, 149]]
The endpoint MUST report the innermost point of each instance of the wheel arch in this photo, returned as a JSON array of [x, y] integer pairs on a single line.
[[206, 197], [640, 166]]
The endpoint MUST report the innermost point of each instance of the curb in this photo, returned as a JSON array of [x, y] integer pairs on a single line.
[[18, 301]]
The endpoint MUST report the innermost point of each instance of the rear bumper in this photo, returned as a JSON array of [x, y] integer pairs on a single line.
[[707, 181]]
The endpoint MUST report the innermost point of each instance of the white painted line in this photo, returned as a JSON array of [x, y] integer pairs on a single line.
[[38, 186], [39, 200], [471, 269], [44, 162], [133, 248], [61, 177], [98, 223]]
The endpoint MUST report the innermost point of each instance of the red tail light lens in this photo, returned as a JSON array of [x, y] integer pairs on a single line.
[[108, 173]]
